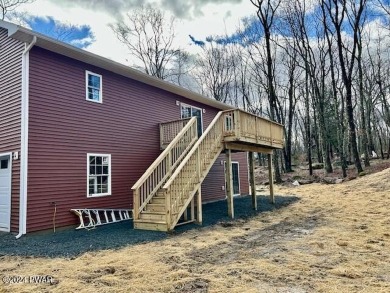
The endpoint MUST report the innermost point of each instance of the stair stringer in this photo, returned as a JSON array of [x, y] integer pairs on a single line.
[[189, 175], [192, 194], [162, 168]]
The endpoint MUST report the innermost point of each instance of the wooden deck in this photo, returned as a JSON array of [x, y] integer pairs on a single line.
[[172, 184]]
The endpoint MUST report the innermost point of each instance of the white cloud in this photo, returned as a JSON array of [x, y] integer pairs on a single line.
[[217, 17]]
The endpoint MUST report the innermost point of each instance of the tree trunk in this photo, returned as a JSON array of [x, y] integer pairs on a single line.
[[362, 108], [352, 128], [307, 122]]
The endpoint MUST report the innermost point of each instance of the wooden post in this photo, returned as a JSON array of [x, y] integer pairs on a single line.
[[236, 124], [229, 185], [271, 179], [168, 207], [199, 218], [252, 180], [169, 162], [136, 205], [161, 135], [193, 209]]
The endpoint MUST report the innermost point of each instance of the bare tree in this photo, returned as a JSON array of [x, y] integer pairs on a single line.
[[149, 36], [7, 6], [266, 11], [214, 70], [182, 64], [363, 119], [351, 13]]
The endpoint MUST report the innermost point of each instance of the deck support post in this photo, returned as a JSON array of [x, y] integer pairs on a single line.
[[271, 179], [252, 180], [193, 209], [136, 200], [199, 217], [229, 185]]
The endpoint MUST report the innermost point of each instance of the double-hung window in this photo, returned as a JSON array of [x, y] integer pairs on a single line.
[[93, 83], [99, 175]]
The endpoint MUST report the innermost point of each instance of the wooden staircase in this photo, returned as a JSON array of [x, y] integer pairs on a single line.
[[149, 204], [154, 215], [172, 184]]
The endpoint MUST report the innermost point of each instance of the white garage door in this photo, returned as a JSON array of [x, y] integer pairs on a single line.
[[5, 193]]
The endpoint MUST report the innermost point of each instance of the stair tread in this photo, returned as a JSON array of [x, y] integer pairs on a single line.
[[153, 213], [149, 221]]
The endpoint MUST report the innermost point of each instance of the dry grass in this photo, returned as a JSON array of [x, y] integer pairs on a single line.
[[336, 238]]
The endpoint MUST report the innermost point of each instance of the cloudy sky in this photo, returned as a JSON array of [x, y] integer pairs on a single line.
[[198, 18]]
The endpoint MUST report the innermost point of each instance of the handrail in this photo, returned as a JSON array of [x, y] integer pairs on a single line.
[[188, 176], [153, 178], [190, 173], [178, 169], [177, 120]]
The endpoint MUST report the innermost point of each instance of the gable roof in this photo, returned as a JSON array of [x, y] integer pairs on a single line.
[[26, 35]]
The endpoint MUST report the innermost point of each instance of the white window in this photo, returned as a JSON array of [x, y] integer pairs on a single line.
[[99, 175], [93, 84]]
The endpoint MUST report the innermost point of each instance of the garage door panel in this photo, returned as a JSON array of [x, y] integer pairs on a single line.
[[5, 193]]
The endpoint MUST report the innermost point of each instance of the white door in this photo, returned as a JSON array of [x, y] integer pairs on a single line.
[[5, 192]]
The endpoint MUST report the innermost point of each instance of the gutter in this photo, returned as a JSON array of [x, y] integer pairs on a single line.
[[24, 139]]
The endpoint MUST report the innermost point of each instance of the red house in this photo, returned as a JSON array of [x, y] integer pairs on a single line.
[[79, 131]]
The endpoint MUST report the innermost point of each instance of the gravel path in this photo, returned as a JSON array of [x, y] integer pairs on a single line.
[[70, 242]]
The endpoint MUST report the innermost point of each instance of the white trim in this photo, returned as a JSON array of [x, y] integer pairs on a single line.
[[239, 179], [9, 155], [24, 138], [248, 174], [109, 175], [201, 113], [87, 86]]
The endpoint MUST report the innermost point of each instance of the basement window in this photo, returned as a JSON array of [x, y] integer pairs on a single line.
[[99, 175], [93, 84]]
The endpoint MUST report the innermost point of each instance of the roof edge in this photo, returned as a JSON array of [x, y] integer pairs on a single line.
[[26, 35], [10, 27]]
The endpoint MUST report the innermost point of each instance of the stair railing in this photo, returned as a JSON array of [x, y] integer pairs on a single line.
[[188, 176], [157, 174]]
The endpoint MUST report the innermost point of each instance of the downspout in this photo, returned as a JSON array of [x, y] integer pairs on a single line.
[[24, 139]]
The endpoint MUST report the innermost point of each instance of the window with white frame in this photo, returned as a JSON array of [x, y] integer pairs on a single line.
[[99, 175], [93, 83]]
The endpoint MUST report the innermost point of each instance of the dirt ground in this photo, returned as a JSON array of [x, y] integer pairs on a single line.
[[335, 238]]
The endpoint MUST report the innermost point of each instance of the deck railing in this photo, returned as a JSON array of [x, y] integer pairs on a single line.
[[246, 127], [169, 130], [188, 176], [157, 174]]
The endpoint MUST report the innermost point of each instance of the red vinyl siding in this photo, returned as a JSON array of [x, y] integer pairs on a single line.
[[64, 127], [214, 183], [10, 111]]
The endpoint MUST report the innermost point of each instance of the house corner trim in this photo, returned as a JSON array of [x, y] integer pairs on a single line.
[[24, 138]]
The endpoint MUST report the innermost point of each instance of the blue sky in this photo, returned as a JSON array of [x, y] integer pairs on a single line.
[[77, 35]]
